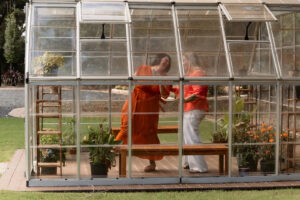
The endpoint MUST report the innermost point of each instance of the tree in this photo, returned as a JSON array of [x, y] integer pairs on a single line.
[[14, 42], [6, 7]]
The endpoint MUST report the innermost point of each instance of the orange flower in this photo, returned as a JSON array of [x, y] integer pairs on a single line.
[[263, 130], [285, 134], [268, 151], [281, 135], [256, 136], [263, 125], [271, 140], [269, 128]]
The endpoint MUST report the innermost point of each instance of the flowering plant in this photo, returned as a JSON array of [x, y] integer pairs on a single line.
[[266, 134]]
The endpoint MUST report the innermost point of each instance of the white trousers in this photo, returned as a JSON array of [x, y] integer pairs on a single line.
[[191, 135]]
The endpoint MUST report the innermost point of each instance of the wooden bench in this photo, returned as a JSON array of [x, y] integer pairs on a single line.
[[161, 129], [168, 150]]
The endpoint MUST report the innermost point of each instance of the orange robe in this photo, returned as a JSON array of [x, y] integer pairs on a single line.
[[145, 114]]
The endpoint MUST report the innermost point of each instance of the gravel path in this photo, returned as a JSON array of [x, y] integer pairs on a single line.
[[10, 98], [13, 97]]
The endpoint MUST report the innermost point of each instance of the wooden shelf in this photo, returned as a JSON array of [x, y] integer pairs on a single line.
[[250, 102], [49, 164], [42, 115], [45, 132], [49, 146], [51, 105], [47, 100]]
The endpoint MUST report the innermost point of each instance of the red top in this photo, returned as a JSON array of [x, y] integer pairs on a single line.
[[199, 90]]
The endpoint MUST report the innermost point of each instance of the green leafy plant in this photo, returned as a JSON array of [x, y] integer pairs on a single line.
[[101, 155], [69, 135], [247, 154], [51, 154]]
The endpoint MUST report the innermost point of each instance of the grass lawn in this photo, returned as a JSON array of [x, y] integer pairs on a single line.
[[290, 194], [12, 133], [11, 137]]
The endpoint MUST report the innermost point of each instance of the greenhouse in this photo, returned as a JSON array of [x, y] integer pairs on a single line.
[[162, 92]]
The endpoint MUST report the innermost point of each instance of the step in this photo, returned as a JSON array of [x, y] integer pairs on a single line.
[[291, 113], [250, 102], [50, 93], [45, 164], [49, 132], [47, 100], [49, 146], [243, 90], [48, 115], [294, 99], [51, 105], [297, 130]]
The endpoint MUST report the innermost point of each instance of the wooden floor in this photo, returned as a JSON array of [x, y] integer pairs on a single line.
[[13, 178]]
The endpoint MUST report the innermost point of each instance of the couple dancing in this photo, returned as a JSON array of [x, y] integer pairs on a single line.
[[145, 110]]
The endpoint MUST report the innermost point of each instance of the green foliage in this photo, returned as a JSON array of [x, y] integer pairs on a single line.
[[14, 42], [51, 154], [69, 135], [247, 154], [101, 136]]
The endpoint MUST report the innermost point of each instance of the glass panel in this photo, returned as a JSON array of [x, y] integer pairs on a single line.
[[153, 39], [53, 45], [287, 41], [53, 134], [154, 129], [106, 56], [251, 59], [249, 12], [100, 123], [205, 134], [102, 11], [202, 44], [254, 129], [289, 135]]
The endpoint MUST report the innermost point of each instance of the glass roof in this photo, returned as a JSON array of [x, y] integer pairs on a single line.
[[108, 47], [270, 2]]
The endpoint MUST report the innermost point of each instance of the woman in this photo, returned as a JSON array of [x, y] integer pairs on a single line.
[[195, 106], [145, 108]]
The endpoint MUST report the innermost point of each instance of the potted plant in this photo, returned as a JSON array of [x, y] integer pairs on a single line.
[[50, 155], [267, 151], [247, 155], [101, 158], [48, 65]]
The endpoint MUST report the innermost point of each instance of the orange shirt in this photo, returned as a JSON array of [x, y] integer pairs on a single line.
[[199, 90]]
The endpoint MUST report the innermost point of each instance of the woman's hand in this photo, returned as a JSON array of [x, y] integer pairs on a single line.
[[191, 98]]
